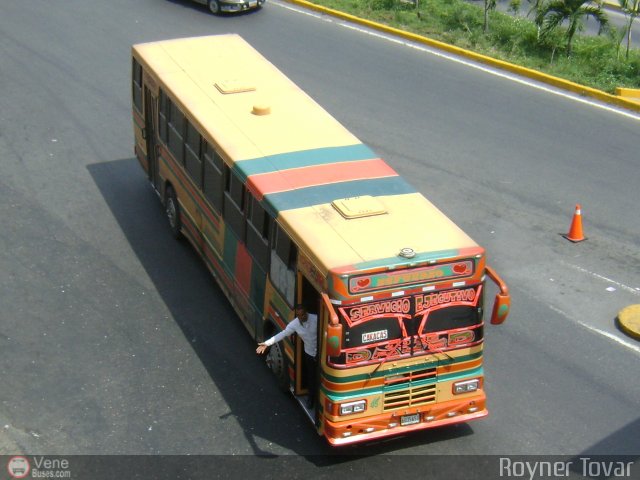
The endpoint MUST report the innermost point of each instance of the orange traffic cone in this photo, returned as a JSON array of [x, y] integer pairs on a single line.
[[575, 232]]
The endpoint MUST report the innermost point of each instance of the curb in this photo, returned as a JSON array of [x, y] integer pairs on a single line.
[[612, 5], [525, 72], [629, 321]]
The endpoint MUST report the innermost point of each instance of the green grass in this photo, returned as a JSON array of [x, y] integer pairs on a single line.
[[594, 63]]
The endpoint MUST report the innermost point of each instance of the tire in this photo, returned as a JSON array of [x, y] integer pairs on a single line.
[[277, 363], [172, 209], [214, 7]]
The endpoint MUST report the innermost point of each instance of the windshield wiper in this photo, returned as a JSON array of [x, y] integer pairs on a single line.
[[436, 352], [377, 367]]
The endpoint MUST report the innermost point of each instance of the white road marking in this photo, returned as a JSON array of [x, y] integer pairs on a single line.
[[477, 66], [633, 290], [604, 333]]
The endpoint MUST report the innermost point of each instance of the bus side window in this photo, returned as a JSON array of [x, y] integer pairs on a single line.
[[283, 261], [234, 203], [163, 116], [176, 132], [137, 85], [213, 178], [193, 161], [258, 232]]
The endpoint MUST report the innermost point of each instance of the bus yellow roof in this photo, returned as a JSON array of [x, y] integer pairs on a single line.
[[342, 204]]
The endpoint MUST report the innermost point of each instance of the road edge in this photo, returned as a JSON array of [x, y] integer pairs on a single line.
[[525, 72]]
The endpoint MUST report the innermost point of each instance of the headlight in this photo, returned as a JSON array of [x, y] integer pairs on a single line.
[[466, 386], [353, 407]]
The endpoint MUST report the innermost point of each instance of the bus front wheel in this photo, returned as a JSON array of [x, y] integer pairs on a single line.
[[172, 209], [277, 362]]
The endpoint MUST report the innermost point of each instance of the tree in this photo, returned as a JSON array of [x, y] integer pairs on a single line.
[[489, 6], [514, 7], [554, 13], [631, 9]]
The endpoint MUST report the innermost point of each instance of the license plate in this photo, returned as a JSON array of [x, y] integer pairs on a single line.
[[410, 419], [253, 4]]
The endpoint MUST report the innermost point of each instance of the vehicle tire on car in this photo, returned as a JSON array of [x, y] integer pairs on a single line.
[[214, 6]]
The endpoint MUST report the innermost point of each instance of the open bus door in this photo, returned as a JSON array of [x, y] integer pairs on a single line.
[[312, 300]]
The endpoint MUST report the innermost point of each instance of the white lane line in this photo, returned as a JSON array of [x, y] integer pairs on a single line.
[[613, 337], [462, 61], [304, 12], [608, 335], [633, 290]]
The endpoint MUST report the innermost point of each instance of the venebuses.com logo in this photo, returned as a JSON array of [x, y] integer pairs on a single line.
[[18, 467], [38, 467]]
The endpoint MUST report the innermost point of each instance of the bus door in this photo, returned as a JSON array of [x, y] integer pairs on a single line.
[[150, 128], [310, 298]]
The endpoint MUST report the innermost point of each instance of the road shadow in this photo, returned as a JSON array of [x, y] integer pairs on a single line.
[[597, 462], [625, 441], [216, 335]]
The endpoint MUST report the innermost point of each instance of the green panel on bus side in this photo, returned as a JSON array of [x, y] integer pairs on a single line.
[[230, 251], [258, 281]]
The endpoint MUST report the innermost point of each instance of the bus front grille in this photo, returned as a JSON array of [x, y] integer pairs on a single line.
[[410, 389]]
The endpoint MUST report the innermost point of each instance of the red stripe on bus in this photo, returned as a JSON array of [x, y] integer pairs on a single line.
[[243, 268], [285, 180]]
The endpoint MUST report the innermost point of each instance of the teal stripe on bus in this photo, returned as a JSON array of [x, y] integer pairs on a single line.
[[476, 372], [302, 158], [320, 194], [342, 396], [420, 257], [336, 396]]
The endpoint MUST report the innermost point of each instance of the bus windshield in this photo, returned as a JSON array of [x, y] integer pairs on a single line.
[[409, 326]]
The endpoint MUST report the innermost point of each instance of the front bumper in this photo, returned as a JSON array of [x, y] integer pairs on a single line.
[[389, 424], [240, 6]]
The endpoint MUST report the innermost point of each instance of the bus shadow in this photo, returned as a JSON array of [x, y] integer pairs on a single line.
[[210, 325]]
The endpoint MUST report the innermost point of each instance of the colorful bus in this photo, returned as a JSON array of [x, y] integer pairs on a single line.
[[286, 206]]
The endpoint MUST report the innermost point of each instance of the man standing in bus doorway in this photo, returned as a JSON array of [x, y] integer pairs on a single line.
[[306, 326]]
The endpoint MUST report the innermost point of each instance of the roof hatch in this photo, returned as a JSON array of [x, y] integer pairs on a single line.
[[234, 85], [358, 207]]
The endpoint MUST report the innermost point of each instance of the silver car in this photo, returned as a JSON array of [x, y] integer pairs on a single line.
[[217, 6]]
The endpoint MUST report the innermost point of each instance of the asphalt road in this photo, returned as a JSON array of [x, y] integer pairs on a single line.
[[115, 340]]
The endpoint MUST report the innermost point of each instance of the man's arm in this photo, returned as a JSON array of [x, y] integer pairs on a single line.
[[289, 329]]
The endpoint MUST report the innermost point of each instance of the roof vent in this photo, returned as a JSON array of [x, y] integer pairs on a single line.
[[358, 207], [261, 109]]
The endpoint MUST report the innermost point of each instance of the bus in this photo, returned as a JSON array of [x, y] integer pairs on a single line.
[[286, 206]]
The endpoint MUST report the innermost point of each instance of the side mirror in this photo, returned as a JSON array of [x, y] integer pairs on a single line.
[[502, 303], [334, 339], [334, 329], [501, 306]]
